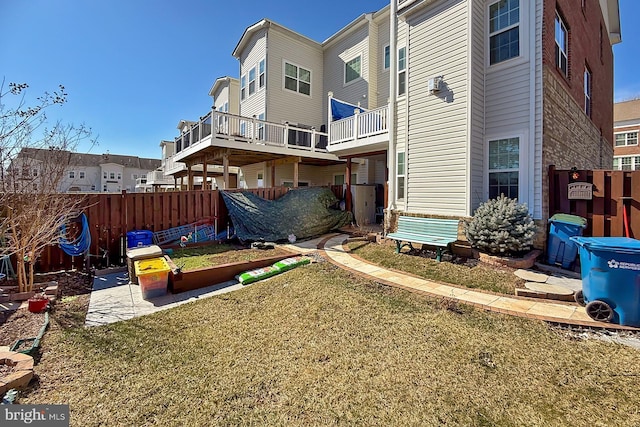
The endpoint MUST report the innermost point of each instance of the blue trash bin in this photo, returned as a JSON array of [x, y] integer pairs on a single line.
[[610, 270], [137, 238], [560, 249]]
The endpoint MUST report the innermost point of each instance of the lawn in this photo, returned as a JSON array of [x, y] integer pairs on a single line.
[[453, 269], [217, 254], [319, 346]]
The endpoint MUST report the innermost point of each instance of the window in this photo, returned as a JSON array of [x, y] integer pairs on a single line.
[[34, 172], [504, 163], [289, 184], [353, 69], [338, 179], [143, 176], [261, 126], [81, 173], [34, 186], [104, 174], [587, 92], [252, 81], [504, 31], [112, 175], [261, 72], [297, 79], [104, 187], [243, 87], [134, 176], [400, 171], [626, 138], [243, 128], [387, 57], [601, 49], [260, 179], [119, 175], [93, 187], [72, 174], [402, 70], [561, 45]]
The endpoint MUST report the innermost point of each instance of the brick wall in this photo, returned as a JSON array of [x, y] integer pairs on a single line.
[[588, 45], [570, 138]]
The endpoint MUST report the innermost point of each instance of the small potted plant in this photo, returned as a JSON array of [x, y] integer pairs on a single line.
[[38, 303]]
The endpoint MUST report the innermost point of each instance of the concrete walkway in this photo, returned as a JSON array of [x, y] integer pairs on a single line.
[[558, 312]]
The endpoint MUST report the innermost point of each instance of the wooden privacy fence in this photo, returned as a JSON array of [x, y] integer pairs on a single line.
[[111, 216], [615, 202]]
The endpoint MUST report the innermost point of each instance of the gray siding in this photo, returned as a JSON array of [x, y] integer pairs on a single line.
[[538, 193], [255, 50], [335, 57], [438, 132], [286, 105], [383, 75], [477, 57]]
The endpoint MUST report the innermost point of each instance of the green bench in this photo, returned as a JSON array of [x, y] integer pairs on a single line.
[[427, 231]]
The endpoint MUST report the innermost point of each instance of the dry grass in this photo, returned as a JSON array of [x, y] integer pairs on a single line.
[[454, 270], [317, 346], [207, 256]]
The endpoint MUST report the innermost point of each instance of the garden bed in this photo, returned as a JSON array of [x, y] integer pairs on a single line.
[[196, 268]]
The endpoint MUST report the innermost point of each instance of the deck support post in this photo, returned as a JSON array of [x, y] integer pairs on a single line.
[[347, 180]]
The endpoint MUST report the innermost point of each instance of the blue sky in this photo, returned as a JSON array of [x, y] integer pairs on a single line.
[[134, 68]]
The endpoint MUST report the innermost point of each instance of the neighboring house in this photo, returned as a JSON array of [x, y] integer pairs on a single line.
[[626, 151], [85, 173], [449, 103]]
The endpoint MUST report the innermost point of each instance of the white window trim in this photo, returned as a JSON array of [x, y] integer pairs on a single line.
[[405, 71], [626, 139], [255, 81], [243, 77], [525, 182], [265, 74], [286, 61], [81, 175], [384, 48], [344, 71], [566, 39], [258, 178], [403, 175], [634, 166], [524, 41]]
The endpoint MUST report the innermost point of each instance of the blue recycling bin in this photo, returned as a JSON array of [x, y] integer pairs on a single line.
[[560, 249], [610, 270], [137, 238]]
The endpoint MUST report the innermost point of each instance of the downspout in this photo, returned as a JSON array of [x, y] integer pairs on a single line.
[[393, 73]]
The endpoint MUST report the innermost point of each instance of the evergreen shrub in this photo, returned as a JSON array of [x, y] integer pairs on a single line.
[[501, 226]]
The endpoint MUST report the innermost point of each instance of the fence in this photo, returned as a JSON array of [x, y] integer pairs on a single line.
[[111, 216], [615, 207]]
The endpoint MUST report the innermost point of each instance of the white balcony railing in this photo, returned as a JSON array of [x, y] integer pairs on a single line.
[[360, 125], [251, 130]]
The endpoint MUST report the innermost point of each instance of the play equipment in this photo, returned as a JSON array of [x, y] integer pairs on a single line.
[[79, 245], [200, 231]]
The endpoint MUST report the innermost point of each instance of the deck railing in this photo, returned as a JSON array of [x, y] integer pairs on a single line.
[[360, 125], [252, 131]]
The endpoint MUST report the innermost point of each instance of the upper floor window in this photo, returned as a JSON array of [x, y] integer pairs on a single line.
[[252, 81], [112, 175], [587, 91], [72, 174], [504, 31], [104, 174], [402, 70], [34, 172], [119, 175], [81, 174], [626, 138], [504, 163], [243, 87], [387, 57], [261, 74], [297, 79], [562, 61], [134, 176], [353, 69]]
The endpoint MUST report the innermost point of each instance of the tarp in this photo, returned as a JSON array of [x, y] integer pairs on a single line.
[[340, 109], [303, 212]]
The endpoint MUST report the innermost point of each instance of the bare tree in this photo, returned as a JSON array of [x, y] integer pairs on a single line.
[[34, 159]]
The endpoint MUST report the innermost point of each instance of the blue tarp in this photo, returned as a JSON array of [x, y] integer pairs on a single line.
[[340, 110]]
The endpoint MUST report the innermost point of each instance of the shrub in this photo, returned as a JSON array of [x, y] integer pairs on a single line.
[[501, 226]]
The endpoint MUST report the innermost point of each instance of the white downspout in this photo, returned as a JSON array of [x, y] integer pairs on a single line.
[[393, 74]]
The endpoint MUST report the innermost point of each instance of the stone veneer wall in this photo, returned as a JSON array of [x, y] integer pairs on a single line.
[[569, 137]]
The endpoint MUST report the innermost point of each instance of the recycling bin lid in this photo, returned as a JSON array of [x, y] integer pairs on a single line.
[[625, 245], [569, 219]]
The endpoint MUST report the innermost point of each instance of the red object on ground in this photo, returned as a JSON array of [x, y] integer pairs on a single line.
[[37, 305]]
